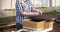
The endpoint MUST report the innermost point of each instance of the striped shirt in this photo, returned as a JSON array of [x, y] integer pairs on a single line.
[[20, 8]]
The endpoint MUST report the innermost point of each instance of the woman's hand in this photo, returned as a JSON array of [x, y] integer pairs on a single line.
[[34, 13], [38, 10]]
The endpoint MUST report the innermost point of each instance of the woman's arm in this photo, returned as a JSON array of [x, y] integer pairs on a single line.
[[30, 14], [34, 12]]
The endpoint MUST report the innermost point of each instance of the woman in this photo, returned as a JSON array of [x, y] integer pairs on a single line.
[[24, 9]]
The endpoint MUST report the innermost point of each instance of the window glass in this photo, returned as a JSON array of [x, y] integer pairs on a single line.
[[41, 3]]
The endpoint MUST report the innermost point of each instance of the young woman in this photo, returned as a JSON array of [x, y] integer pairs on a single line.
[[24, 8]]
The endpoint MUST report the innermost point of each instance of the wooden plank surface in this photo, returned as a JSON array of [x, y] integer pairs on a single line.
[[8, 25]]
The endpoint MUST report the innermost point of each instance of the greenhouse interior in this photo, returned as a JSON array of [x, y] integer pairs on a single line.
[[50, 8]]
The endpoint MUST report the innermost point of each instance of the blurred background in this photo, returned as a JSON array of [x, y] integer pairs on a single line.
[[8, 12], [7, 8]]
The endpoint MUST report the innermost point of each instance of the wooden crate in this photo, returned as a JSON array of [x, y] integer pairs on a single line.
[[48, 24], [33, 25]]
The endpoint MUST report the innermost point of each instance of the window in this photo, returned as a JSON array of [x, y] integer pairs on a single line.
[[55, 3], [41, 3], [46, 3]]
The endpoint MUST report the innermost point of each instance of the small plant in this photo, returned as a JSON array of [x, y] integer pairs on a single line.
[[45, 9]]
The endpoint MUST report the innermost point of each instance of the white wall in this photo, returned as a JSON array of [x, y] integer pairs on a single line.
[[0, 5], [6, 4], [13, 3]]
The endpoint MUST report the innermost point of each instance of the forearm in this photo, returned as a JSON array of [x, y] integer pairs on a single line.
[[25, 14], [30, 14]]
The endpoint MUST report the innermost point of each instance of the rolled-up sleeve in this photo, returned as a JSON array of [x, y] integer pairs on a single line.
[[19, 9], [32, 7]]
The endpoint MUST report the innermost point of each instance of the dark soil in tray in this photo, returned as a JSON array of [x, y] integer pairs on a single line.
[[41, 18]]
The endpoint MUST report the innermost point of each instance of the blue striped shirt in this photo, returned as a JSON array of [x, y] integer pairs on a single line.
[[20, 8]]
